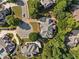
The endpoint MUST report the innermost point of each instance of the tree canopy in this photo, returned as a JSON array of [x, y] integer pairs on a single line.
[[59, 10], [33, 36], [33, 7], [11, 20]]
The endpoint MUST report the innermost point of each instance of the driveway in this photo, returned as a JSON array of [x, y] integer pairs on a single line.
[[24, 28], [25, 11]]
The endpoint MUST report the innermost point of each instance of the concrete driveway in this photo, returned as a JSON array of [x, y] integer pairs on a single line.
[[25, 11]]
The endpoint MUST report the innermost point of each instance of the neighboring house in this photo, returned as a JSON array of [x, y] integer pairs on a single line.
[[3, 14], [73, 39], [47, 3], [75, 12], [48, 27], [31, 49], [3, 52], [6, 46]]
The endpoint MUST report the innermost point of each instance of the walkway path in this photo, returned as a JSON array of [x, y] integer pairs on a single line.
[[3, 32]]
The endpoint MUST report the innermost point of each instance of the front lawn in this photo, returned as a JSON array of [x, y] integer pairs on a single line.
[[17, 11], [36, 27]]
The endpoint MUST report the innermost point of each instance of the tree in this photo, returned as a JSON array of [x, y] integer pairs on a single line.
[[59, 9], [12, 21], [33, 36], [75, 1], [33, 7], [55, 49]]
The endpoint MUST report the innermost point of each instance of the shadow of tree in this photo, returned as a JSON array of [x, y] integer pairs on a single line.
[[24, 25]]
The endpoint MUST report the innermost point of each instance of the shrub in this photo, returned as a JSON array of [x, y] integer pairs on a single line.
[[33, 36]]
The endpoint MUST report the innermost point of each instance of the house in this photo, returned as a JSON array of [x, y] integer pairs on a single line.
[[73, 39], [47, 3], [75, 12], [3, 14], [48, 27], [6, 46], [3, 52], [45, 26], [31, 49], [10, 46]]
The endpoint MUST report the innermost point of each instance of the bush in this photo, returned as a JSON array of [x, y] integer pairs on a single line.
[[33, 36]]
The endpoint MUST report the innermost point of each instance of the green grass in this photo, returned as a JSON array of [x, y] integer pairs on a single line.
[[32, 5], [9, 27], [75, 52], [19, 56], [17, 11]]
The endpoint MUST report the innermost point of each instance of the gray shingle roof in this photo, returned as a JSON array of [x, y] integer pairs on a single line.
[[48, 27], [7, 44], [3, 14], [47, 3], [30, 49], [73, 39]]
